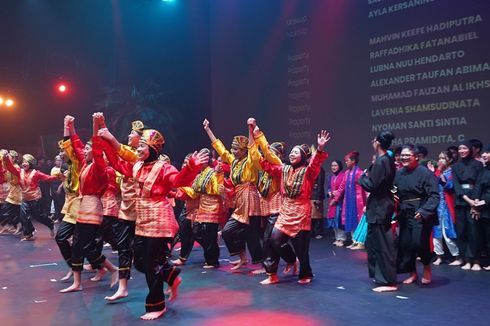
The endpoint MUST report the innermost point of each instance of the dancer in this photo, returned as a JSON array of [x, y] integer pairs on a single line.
[[124, 226], [418, 198], [294, 220], [354, 197], [29, 179], [317, 198], [244, 224], [93, 183], [155, 221], [378, 181], [10, 212], [70, 209], [445, 232], [334, 213], [481, 201], [465, 175]]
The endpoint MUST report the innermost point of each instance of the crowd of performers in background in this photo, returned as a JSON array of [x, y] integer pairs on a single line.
[[403, 208]]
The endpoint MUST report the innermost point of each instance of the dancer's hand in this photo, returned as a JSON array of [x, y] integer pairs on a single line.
[[323, 139], [205, 124], [198, 159], [68, 121], [251, 122]]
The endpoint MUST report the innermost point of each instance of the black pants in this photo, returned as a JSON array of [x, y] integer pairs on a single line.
[[10, 214], [63, 235], [468, 232], [317, 226], [414, 241], [269, 226], [186, 238], [124, 237], [381, 253], [30, 210], [151, 258], [253, 238], [85, 245], [59, 201], [281, 248], [106, 233], [234, 234], [206, 234]]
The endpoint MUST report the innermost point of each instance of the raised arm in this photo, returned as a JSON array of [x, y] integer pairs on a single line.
[[208, 130], [261, 141], [218, 145], [9, 165], [319, 157]]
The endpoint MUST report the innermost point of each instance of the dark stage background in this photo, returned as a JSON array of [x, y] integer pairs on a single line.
[[299, 66], [353, 67]]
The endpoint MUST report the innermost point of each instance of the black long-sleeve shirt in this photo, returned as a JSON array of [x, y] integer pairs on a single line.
[[378, 182], [418, 192], [465, 175]]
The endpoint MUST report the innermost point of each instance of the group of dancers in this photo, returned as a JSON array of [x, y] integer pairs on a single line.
[[261, 201]]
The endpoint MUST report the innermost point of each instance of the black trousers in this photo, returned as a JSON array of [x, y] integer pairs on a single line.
[[253, 239], [281, 248], [151, 258], [30, 210], [106, 233], [206, 234], [317, 226], [63, 235], [59, 201], [269, 226], [124, 238], [234, 234], [381, 253], [467, 229], [85, 245], [186, 238], [10, 214], [414, 241]]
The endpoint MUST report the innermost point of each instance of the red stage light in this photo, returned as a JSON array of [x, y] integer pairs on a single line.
[[62, 88]]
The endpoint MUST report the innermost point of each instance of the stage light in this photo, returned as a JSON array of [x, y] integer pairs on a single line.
[[1, 100], [9, 103], [62, 88]]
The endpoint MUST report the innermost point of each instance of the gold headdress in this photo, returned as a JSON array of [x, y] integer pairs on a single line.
[[153, 138]]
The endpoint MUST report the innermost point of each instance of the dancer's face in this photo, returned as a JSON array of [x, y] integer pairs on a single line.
[[463, 151], [25, 165], [239, 153], [143, 151], [334, 167], [408, 158], [295, 156], [443, 161], [349, 163], [486, 158], [87, 152], [133, 139]]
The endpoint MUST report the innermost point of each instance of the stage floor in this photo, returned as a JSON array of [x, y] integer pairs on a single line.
[[339, 295]]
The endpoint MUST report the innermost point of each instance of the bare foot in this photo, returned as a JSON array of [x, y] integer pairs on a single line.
[[178, 262], [272, 279], [88, 268], [359, 246], [476, 268], [385, 288], [291, 267], [258, 271], [411, 279], [174, 289], [99, 275], [239, 265], [487, 268], [235, 262], [437, 262], [72, 288], [466, 267], [67, 277], [206, 266], [305, 280], [120, 293], [153, 315], [456, 262], [114, 277]]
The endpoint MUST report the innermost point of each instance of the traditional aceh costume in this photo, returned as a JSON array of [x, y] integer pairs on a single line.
[[31, 194], [155, 221], [244, 224]]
